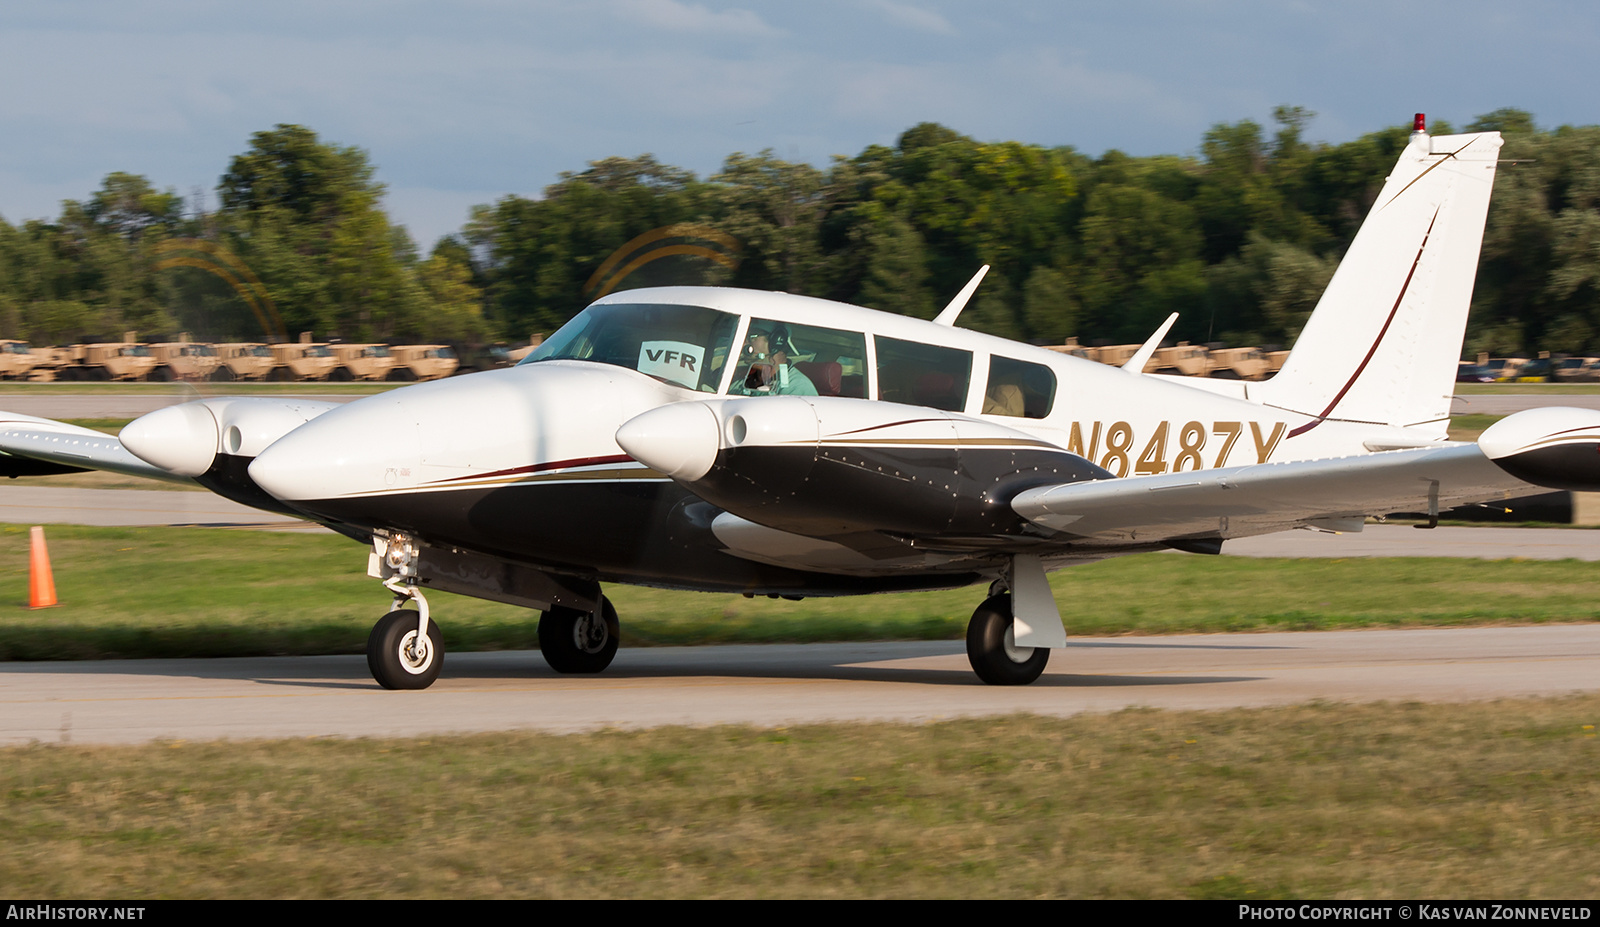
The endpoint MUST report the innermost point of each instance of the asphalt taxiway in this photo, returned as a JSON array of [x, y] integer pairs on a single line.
[[132, 701]]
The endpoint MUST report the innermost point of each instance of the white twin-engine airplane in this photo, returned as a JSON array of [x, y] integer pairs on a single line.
[[737, 441]]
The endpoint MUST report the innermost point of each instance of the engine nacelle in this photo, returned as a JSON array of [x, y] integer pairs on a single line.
[[828, 466], [214, 440], [1556, 446]]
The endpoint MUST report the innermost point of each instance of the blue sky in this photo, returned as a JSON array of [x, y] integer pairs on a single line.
[[465, 102]]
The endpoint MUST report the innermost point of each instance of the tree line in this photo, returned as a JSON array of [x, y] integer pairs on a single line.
[[1239, 238]]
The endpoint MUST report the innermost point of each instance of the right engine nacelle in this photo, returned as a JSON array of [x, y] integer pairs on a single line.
[[1558, 447], [826, 466]]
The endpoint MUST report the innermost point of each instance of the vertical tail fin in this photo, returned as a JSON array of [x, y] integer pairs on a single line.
[[1383, 342]]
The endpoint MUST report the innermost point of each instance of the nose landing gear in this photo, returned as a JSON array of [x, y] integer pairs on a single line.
[[405, 650]]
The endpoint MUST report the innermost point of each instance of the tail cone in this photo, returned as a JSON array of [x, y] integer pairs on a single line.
[[41, 583]]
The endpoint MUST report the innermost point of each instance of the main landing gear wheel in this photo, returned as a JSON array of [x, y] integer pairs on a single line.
[[393, 654], [992, 646], [574, 641]]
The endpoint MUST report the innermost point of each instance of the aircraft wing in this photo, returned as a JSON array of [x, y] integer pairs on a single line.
[[1334, 493], [31, 446], [912, 480]]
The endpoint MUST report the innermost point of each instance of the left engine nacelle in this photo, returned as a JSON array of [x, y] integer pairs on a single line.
[[826, 466], [214, 440]]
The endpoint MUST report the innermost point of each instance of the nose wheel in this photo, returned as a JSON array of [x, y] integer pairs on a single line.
[[405, 651], [574, 641]]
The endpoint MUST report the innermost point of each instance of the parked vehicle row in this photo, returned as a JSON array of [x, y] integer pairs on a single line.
[[1188, 360], [185, 360], [1530, 370], [1248, 363]]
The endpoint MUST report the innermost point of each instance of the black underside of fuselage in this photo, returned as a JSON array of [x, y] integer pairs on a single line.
[[642, 532]]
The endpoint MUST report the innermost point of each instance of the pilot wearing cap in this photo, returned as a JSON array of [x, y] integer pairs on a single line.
[[771, 371]]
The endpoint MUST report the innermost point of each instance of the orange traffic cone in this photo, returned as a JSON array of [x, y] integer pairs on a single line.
[[41, 583]]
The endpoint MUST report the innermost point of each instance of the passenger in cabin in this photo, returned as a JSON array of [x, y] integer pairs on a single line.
[[770, 371], [1004, 398]]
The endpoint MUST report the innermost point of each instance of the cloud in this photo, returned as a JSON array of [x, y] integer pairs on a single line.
[[695, 18], [914, 16]]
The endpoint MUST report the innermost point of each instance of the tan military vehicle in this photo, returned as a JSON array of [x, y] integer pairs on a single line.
[[17, 360], [361, 361], [302, 361], [183, 360], [1238, 364], [515, 355], [423, 361], [109, 360], [243, 361], [1114, 354], [1071, 347], [49, 362], [1275, 361], [1184, 359]]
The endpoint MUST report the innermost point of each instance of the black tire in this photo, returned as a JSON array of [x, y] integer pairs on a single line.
[[223, 374], [161, 375], [341, 375], [574, 641], [388, 659], [990, 651]]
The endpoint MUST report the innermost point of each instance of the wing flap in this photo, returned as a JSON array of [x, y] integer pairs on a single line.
[[1261, 498], [27, 441]]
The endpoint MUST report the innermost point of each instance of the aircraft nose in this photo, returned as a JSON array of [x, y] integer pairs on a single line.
[[680, 440]]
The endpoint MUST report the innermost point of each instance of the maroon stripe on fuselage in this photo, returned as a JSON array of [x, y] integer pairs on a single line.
[[539, 468], [909, 421], [1394, 311]]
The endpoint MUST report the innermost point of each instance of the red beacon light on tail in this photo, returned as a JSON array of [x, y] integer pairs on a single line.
[[1419, 124]]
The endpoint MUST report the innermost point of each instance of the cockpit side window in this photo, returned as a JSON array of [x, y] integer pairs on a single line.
[[1019, 388], [923, 374], [686, 346], [787, 359]]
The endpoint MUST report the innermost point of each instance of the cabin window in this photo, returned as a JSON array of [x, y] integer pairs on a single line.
[[1019, 388], [683, 345], [923, 374], [786, 359]]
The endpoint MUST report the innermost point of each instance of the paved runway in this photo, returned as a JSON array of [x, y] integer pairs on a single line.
[[773, 685], [48, 505], [124, 405], [1507, 403]]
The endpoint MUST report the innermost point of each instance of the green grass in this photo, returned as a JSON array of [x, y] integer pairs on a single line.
[[1392, 801], [1470, 427], [147, 592]]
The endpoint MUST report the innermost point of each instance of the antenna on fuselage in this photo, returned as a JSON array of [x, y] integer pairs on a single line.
[[1135, 364], [948, 315]]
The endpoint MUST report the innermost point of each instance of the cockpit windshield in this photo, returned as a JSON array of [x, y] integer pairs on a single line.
[[683, 345]]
